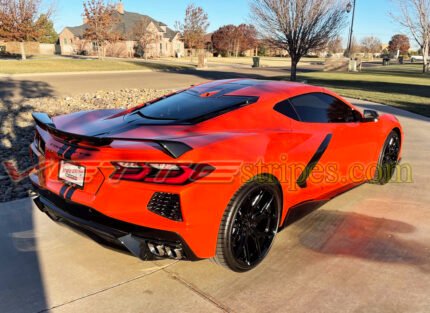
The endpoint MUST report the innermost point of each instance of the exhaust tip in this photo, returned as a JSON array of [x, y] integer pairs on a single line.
[[147, 250]]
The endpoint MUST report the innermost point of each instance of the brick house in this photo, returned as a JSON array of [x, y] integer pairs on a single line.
[[165, 43]]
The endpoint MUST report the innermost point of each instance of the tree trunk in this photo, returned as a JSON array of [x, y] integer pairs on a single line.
[[102, 46], [98, 50], [191, 53], [425, 57], [294, 62], [22, 48]]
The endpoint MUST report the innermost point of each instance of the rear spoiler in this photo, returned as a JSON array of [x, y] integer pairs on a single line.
[[173, 148]]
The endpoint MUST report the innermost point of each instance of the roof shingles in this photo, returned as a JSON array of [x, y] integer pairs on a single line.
[[126, 23]]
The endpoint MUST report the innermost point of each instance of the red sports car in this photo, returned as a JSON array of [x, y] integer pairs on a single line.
[[212, 171]]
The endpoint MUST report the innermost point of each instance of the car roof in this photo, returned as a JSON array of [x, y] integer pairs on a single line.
[[253, 87]]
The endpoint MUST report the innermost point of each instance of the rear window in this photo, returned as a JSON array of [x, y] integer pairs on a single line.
[[190, 106]]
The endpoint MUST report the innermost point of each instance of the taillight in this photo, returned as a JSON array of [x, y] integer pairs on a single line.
[[160, 173]]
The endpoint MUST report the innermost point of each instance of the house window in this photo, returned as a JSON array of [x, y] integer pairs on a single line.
[[65, 41], [161, 47]]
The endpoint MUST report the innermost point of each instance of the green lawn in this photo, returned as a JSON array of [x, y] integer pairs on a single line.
[[403, 86], [55, 64]]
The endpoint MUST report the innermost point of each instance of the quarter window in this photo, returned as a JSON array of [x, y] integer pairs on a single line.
[[287, 109], [322, 108]]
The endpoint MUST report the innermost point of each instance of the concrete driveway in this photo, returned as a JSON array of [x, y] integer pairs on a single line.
[[366, 251]]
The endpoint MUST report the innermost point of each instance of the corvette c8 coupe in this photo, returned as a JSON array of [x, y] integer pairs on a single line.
[[212, 171]]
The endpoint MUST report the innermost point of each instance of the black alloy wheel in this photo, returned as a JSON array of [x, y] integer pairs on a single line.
[[249, 226]]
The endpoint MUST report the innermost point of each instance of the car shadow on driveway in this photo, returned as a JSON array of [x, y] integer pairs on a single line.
[[21, 283], [360, 236]]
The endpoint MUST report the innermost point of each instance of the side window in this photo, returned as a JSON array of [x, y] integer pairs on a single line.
[[322, 108], [286, 108]]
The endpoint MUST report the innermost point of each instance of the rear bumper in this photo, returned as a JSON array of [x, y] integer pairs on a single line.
[[143, 242]]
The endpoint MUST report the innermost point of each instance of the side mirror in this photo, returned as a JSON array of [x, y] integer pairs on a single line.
[[370, 116]]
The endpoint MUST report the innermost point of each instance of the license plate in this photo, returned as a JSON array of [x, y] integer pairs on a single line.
[[72, 174]]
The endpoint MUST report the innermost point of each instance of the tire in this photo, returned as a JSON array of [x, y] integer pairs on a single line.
[[388, 159], [249, 225]]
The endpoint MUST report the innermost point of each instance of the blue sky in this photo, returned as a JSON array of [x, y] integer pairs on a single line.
[[372, 16]]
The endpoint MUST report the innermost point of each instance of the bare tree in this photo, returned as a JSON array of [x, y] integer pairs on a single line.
[[335, 45], [194, 27], [101, 19], [371, 44], [299, 25], [415, 17], [20, 20], [355, 46], [143, 36]]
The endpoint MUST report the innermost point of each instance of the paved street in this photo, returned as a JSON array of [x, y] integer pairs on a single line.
[[69, 84], [76, 83], [366, 251]]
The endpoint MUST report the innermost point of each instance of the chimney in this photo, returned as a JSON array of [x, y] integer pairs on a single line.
[[120, 7]]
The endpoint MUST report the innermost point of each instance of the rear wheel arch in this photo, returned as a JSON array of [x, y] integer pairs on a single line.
[[270, 178], [397, 130], [388, 157]]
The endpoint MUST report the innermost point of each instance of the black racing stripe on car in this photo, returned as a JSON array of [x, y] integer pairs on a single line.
[[70, 193], [301, 181], [62, 149], [63, 190], [68, 154]]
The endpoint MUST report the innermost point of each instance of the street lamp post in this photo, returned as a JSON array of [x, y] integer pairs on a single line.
[[350, 6]]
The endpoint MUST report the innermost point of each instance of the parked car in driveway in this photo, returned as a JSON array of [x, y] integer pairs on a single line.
[[417, 58]]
